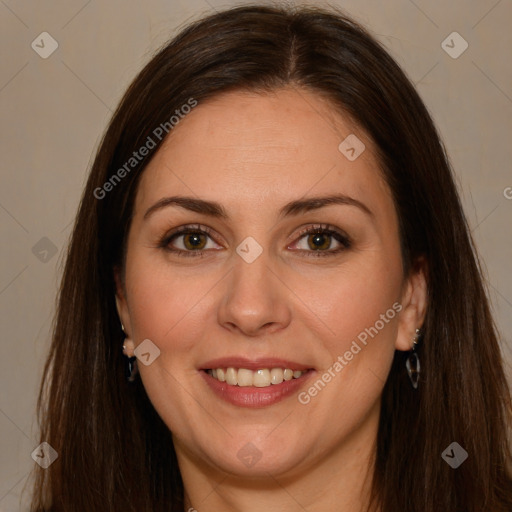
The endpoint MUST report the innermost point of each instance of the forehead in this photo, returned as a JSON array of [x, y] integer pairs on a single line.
[[249, 149]]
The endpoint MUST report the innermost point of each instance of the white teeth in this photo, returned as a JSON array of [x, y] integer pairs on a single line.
[[232, 376], [276, 375], [244, 377], [261, 378]]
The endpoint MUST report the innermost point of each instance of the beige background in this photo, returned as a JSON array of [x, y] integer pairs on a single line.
[[54, 111]]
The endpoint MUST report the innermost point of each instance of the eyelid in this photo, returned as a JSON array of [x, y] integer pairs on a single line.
[[183, 230], [339, 235], [311, 228], [327, 229]]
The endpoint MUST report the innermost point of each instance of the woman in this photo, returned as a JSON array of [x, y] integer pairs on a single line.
[[271, 299]]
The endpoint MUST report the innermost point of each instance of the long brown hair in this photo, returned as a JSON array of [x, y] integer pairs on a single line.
[[115, 453]]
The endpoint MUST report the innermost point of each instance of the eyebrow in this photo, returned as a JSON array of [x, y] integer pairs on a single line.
[[216, 210]]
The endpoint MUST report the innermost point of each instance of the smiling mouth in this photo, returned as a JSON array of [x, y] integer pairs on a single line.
[[261, 378]]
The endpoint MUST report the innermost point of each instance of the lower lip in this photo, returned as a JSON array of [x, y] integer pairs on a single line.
[[253, 397]]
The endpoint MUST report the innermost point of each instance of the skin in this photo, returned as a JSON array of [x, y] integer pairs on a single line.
[[253, 153]]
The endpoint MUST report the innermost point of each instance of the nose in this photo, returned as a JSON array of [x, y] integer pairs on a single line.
[[257, 301]]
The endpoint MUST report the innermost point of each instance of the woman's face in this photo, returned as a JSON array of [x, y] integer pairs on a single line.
[[257, 292]]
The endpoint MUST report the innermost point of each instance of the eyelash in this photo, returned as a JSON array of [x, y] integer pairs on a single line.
[[324, 229]]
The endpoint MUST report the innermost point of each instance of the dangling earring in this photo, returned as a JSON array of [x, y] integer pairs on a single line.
[[131, 369], [413, 362]]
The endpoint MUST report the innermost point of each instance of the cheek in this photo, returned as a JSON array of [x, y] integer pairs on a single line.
[[163, 301], [169, 310], [362, 308], [355, 297]]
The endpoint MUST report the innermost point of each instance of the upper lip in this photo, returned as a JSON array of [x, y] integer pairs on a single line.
[[253, 364]]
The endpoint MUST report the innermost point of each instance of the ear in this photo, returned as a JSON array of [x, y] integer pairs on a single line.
[[121, 304], [414, 304]]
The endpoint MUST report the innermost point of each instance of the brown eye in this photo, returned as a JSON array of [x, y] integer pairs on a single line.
[[319, 240], [188, 241], [194, 240]]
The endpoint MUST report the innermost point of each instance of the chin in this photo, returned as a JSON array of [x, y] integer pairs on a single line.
[[257, 456]]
